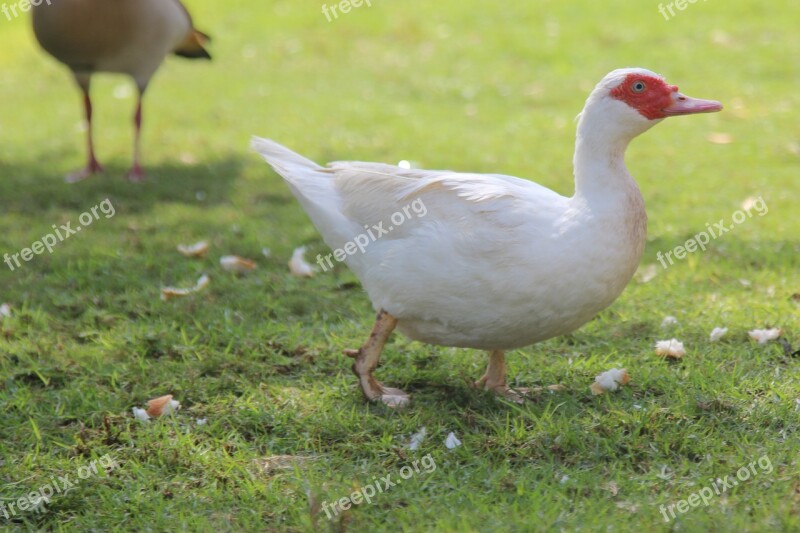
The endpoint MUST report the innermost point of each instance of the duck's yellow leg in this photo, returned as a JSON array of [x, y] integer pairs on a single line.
[[367, 358]]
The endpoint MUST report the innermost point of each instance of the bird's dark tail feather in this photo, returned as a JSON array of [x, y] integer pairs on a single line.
[[192, 47]]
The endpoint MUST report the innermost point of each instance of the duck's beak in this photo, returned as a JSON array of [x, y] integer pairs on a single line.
[[685, 105]]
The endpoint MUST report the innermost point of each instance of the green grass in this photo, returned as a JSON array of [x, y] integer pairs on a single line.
[[450, 84]]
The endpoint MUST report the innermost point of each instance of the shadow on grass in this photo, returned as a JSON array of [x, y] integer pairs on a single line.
[[34, 187]]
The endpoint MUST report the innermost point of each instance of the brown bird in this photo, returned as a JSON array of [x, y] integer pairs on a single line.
[[124, 36]]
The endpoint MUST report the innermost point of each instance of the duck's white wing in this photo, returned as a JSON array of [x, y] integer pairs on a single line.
[[346, 196], [437, 228], [373, 192]]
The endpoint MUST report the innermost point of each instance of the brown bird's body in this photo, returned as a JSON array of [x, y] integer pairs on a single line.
[[121, 36]]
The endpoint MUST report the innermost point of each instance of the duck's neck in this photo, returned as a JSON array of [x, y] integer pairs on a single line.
[[601, 177], [606, 194]]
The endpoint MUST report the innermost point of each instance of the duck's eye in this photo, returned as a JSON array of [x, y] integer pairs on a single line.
[[638, 87]]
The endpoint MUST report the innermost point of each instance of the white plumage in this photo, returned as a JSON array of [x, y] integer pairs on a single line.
[[496, 262]]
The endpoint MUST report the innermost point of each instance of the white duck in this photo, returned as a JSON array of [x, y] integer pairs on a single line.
[[496, 262], [124, 36]]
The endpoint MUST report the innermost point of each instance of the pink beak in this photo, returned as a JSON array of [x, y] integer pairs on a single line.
[[684, 105]]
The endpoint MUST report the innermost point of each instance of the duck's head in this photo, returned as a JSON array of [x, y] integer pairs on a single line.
[[633, 100]]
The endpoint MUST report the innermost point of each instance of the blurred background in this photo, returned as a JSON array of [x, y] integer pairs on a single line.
[[462, 85]]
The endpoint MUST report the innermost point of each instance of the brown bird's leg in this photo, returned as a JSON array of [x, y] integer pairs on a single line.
[[92, 165], [367, 360], [136, 173], [495, 378]]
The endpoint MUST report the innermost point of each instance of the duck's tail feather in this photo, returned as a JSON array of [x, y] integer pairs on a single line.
[[313, 186], [193, 46], [284, 161]]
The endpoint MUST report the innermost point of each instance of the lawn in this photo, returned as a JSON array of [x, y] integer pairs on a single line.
[[255, 360]]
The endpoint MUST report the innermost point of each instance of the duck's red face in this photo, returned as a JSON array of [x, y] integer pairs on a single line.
[[655, 99]]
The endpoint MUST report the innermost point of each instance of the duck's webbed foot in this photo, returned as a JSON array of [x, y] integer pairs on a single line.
[[366, 360], [495, 379]]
